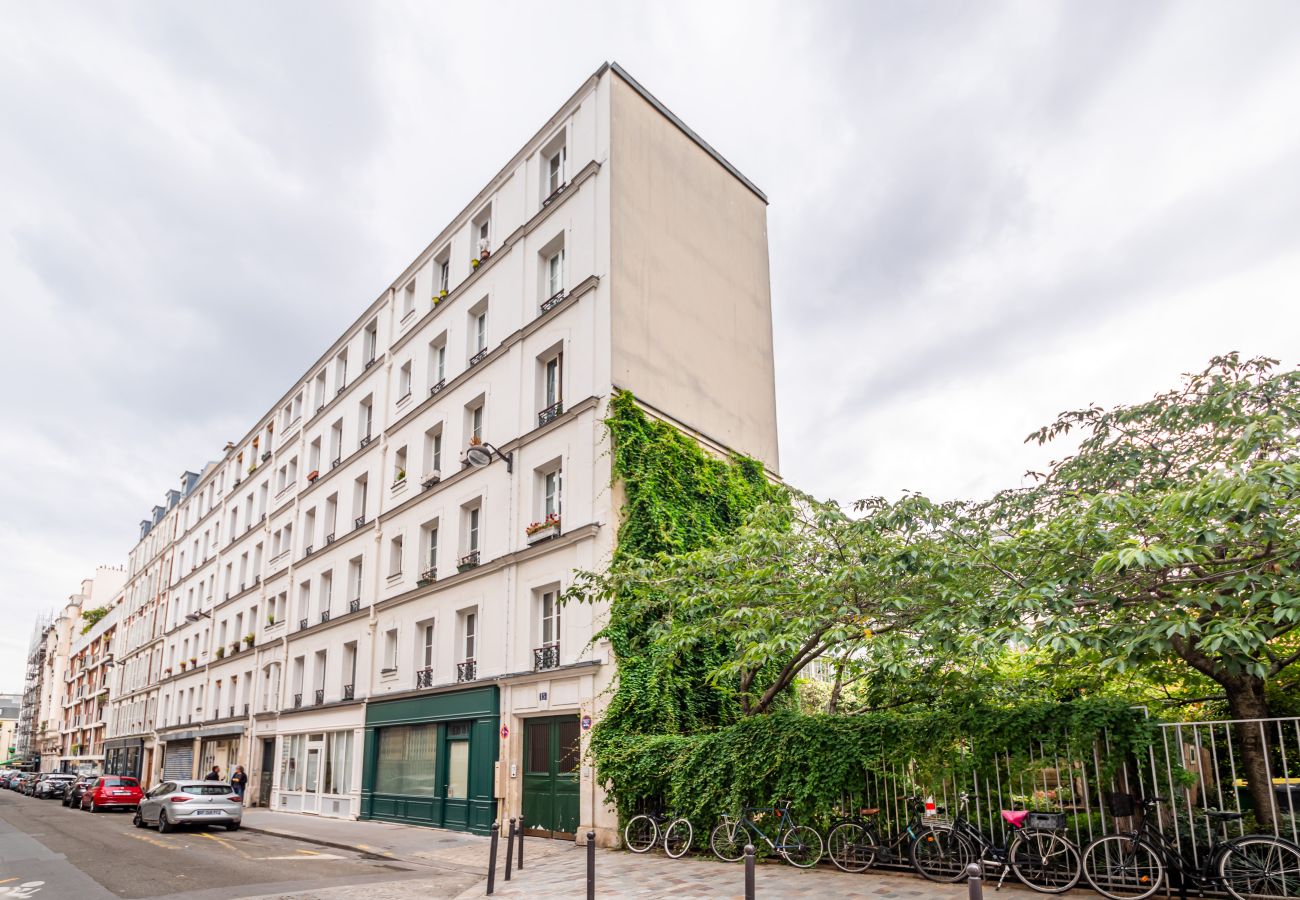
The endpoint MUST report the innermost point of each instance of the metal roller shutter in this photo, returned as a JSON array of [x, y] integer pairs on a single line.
[[179, 762]]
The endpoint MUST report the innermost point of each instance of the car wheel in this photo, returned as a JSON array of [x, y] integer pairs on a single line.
[[136, 820], [233, 826], [164, 825], [92, 807]]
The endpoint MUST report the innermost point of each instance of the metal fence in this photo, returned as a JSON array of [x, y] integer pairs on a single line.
[[1193, 765]]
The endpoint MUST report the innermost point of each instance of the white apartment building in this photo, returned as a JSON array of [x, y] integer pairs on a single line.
[[357, 602]]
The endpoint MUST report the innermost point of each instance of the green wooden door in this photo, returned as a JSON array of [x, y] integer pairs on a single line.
[[551, 756]]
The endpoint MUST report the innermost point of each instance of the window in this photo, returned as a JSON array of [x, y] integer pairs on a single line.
[[433, 451], [313, 457], [555, 273], [426, 645], [483, 234], [404, 382], [552, 373], [555, 171], [319, 390], [326, 594], [551, 484], [340, 371], [354, 577], [431, 545], [408, 299], [469, 629], [474, 420], [365, 419], [338, 762], [359, 491], [390, 650], [438, 360], [472, 516], [395, 557], [406, 760], [480, 331], [444, 277], [399, 466], [548, 610], [370, 342]]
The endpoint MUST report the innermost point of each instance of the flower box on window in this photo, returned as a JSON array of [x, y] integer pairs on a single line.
[[313, 475], [543, 530], [430, 479]]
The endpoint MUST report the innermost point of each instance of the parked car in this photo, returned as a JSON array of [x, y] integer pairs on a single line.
[[52, 785], [175, 803], [72, 796], [23, 781], [29, 783], [111, 792]]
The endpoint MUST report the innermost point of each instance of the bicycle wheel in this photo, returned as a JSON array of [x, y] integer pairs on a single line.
[[727, 841], [941, 854], [1122, 867], [802, 846], [1044, 861], [1259, 866], [641, 833], [677, 837], [852, 846]]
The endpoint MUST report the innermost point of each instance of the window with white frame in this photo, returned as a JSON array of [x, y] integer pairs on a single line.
[[468, 634], [395, 557], [555, 273], [340, 371], [408, 299], [478, 331], [390, 650], [552, 382], [429, 548], [548, 617], [483, 235], [354, 577], [552, 484], [370, 342], [404, 381], [474, 420], [473, 519], [444, 276], [366, 418], [555, 165], [438, 360], [426, 644], [433, 451], [399, 466]]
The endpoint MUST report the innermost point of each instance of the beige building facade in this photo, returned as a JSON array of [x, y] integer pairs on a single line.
[[357, 601]]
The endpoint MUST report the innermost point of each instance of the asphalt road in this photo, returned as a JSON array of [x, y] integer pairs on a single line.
[[79, 856]]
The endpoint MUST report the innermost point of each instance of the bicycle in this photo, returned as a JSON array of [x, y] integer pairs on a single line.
[[643, 831], [854, 845], [800, 845], [1134, 864], [1038, 855]]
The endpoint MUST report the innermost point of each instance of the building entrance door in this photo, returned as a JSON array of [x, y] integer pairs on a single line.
[[264, 779], [551, 754]]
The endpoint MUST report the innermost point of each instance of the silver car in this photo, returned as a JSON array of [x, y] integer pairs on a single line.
[[175, 803]]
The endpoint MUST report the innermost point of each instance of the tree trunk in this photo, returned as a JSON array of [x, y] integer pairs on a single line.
[[1246, 701]]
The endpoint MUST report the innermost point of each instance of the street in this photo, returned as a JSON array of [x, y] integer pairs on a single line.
[[80, 856]]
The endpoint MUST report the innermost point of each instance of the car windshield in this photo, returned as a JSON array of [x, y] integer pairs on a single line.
[[205, 790], [119, 781]]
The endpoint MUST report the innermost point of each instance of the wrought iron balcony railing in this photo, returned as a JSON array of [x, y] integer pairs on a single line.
[[466, 671], [546, 656], [424, 677]]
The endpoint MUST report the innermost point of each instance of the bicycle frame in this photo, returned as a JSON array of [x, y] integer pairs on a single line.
[[785, 821], [1175, 861]]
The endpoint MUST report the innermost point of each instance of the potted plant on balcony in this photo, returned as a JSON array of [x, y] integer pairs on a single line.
[[543, 530], [249, 639], [234, 648], [473, 263], [400, 477], [183, 665], [194, 661], [167, 671], [442, 295], [252, 467], [270, 619], [221, 652]]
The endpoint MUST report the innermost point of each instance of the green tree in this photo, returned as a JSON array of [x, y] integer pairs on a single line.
[[1171, 533], [92, 617], [801, 581]]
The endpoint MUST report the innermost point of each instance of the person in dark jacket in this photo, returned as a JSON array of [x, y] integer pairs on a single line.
[[239, 781], [214, 775]]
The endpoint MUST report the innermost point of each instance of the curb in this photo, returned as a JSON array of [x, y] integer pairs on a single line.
[[480, 871]]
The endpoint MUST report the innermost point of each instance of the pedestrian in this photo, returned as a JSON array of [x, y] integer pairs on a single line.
[[214, 775], [239, 781]]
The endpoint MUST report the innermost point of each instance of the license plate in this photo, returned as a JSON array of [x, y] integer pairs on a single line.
[[207, 812], [119, 793]]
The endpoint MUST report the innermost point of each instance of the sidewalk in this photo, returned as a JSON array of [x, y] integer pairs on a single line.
[[557, 869]]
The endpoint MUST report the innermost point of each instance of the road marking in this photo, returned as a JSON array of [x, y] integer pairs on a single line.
[[154, 841], [227, 844], [311, 858]]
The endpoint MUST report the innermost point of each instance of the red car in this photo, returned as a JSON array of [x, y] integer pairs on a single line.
[[112, 792]]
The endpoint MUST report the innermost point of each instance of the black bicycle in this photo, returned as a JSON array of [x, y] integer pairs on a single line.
[[854, 844], [1038, 854], [1134, 864]]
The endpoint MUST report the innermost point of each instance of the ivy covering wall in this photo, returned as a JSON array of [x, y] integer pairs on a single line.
[[675, 737]]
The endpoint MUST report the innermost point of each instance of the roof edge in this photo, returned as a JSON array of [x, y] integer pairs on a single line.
[[685, 129]]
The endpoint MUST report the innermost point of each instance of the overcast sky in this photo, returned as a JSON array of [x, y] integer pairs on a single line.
[[981, 214]]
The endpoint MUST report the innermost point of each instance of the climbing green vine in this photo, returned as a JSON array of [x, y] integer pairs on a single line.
[[684, 726]]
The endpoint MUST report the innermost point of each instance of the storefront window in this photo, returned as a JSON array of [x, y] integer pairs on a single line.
[[338, 762], [291, 763], [407, 760]]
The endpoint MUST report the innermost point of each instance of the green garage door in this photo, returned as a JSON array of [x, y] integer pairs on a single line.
[[551, 757]]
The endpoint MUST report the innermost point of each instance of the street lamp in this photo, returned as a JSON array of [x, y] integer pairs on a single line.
[[480, 455]]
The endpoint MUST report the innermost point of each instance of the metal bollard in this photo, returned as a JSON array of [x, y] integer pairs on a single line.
[[492, 858], [749, 872], [974, 883], [591, 865], [520, 866], [510, 847]]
